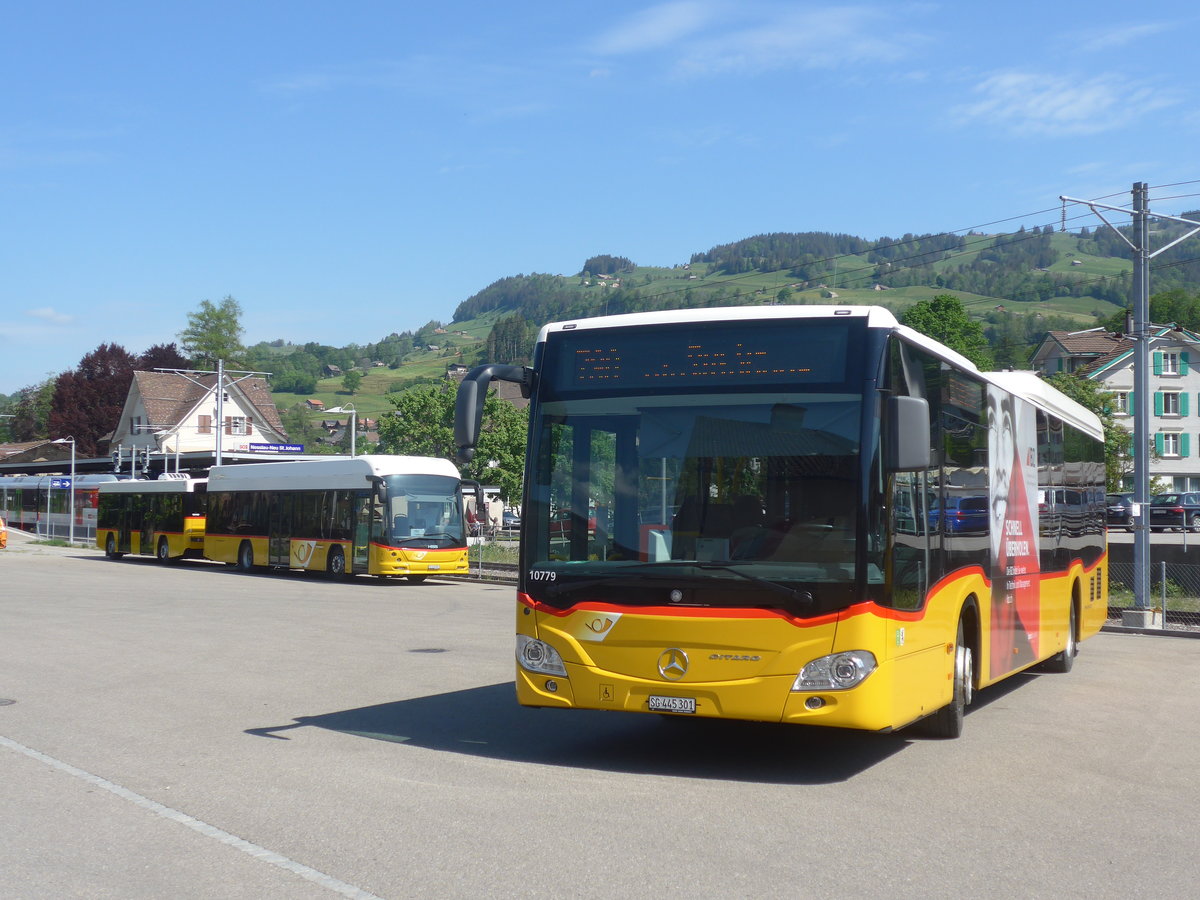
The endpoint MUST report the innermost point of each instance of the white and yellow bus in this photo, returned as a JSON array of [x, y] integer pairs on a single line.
[[379, 515], [795, 514], [163, 518]]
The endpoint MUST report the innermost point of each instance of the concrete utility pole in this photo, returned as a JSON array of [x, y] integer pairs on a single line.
[[1140, 248]]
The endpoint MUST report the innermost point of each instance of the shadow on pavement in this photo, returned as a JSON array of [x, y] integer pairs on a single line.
[[487, 722]]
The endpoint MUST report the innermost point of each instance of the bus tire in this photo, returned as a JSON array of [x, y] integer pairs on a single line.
[[110, 548], [947, 722], [1063, 661], [164, 551], [245, 559], [335, 563], [416, 579]]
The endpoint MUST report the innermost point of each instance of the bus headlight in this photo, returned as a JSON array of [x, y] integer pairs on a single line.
[[836, 672], [538, 656]]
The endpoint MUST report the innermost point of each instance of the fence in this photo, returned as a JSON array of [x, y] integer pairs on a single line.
[[1174, 587]]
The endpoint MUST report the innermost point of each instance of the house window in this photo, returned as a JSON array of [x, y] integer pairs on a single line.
[[1170, 364], [236, 425], [1172, 404], [1122, 403], [1170, 443], [205, 426]]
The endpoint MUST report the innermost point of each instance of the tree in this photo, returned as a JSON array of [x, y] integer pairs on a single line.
[[423, 425], [351, 381], [944, 319], [1118, 461], [214, 333], [88, 400], [162, 356], [32, 412]]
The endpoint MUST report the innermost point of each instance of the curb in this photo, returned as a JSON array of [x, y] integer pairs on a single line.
[[1153, 632]]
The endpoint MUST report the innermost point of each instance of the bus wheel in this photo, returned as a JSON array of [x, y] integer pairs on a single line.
[[164, 551], [110, 548], [335, 565], [245, 557], [416, 579], [947, 722], [1063, 662]]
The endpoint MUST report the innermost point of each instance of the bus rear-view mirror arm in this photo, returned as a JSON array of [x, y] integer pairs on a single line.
[[468, 405], [906, 444]]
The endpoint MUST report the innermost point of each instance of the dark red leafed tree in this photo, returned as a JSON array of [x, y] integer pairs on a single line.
[[88, 399]]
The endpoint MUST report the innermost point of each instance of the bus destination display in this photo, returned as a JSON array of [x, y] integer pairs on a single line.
[[678, 358]]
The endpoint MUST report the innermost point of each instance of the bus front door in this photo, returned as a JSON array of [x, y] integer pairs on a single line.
[[363, 506]]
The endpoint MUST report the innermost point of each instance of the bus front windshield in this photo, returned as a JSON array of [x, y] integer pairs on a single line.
[[745, 499], [423, 511]]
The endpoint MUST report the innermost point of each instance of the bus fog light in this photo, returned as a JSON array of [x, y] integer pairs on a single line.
[[552, 685], [814, 702], [836, 672], [538, 656]]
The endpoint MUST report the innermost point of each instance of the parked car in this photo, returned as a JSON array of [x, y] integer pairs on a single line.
[[1175, 511], [964, 515], [510, 520], [1120, 511]]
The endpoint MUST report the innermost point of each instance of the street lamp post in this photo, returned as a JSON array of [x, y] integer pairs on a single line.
[[71, 527], [353, 423]]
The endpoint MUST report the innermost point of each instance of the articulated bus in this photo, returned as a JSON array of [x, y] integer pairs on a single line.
[[379, 515], [33, 503], [163, 518], [797, 514]]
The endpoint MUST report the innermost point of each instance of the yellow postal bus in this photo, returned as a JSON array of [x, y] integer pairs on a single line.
[[162, 518], [795, 514], [378, 515]]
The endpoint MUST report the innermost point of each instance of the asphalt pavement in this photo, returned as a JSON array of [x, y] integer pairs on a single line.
[[190, 731]]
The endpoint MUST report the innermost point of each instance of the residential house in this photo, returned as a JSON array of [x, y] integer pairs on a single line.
[[177, 413], [1174, 389]]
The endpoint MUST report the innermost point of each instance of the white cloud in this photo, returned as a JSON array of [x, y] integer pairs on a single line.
[[1099, 39], [1030, 103], [51, 315], [658, 26], [710, 38]]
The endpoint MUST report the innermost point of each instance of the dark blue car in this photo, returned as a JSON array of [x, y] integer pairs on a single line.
[[964, 515]]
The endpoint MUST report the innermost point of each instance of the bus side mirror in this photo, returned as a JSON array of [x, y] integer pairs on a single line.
[[468, 403], [906, 442]]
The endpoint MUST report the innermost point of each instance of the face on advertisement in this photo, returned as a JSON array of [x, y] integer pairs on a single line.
[[1002, 459]]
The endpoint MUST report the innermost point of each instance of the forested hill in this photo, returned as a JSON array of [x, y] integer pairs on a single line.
[[1084, 275]]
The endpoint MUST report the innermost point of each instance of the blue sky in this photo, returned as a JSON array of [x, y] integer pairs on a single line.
[[346, 170]]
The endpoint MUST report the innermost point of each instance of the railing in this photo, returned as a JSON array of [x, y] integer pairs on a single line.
[[1174, 588]]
